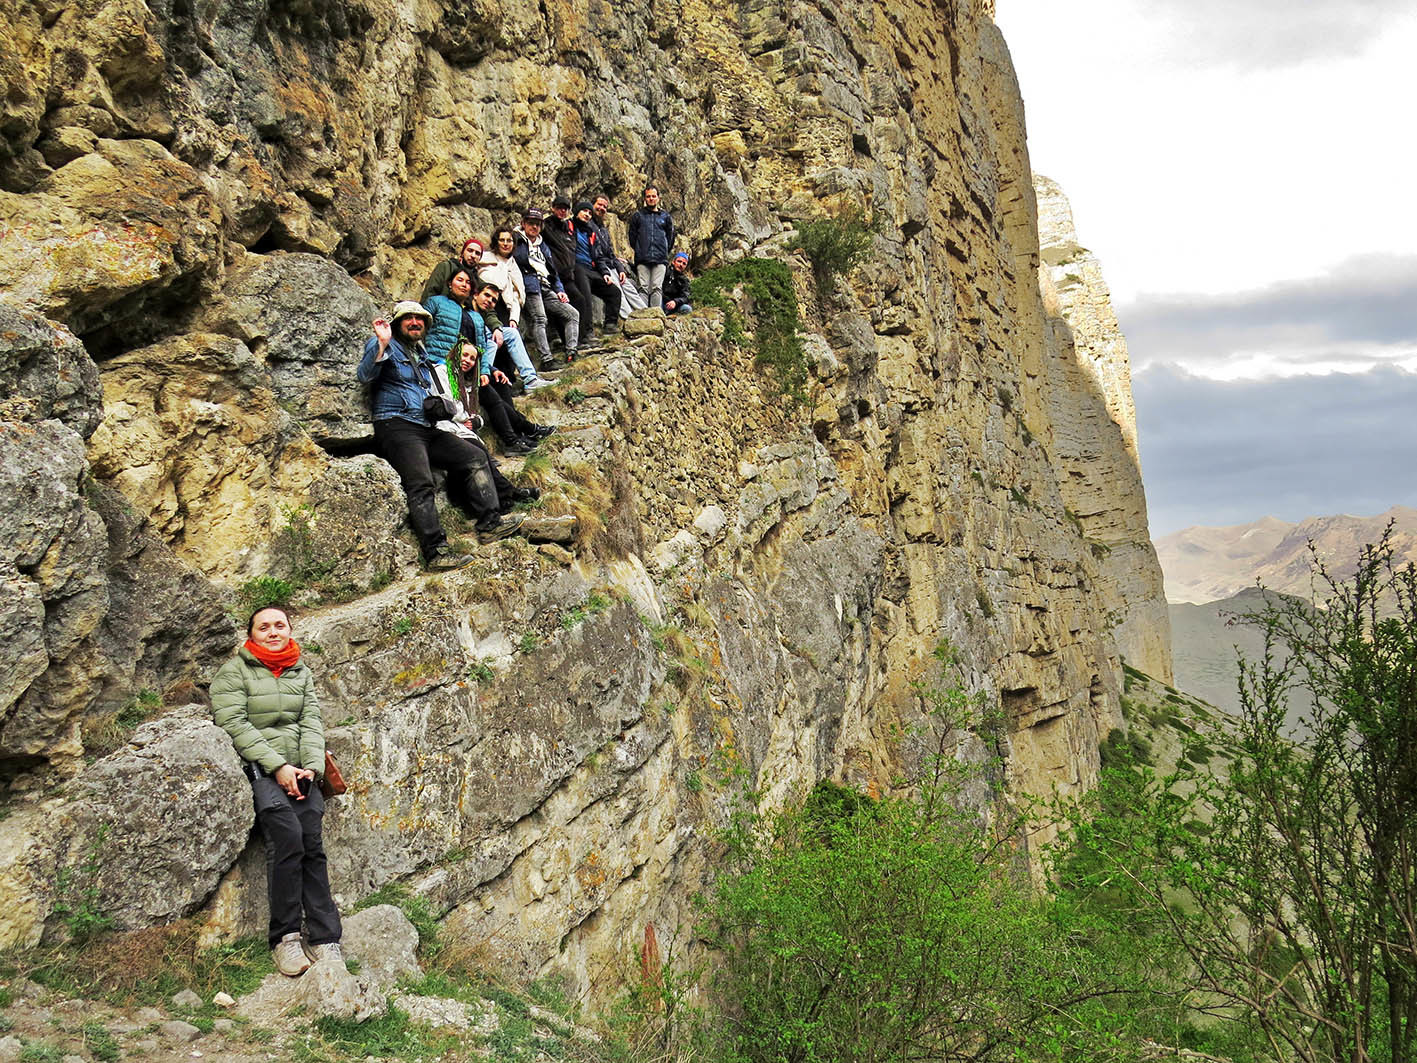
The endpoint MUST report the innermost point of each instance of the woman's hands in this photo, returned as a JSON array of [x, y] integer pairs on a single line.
[[288, 778]]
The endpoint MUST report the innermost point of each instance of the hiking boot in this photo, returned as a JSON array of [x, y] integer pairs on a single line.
[[539, 382], [541, 431], [550, 365], [330, 952], [518, 446], [444, 560], [290, 957], [496, 526]]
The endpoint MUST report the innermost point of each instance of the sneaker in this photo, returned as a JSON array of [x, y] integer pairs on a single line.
[[518, 446], [496, 526], [541, 431], [443, 560], [328, 952], [290, 957], [539, 382], [524, 494]]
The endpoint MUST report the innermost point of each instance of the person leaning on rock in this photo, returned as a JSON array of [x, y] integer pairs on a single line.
[[400, 375], [651, 235], [595, 269], [264, 698]]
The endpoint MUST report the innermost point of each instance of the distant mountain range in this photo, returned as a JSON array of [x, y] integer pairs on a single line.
[[1209, 564]]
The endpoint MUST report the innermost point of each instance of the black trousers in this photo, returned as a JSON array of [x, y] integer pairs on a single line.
[[414, 450], [506, 420], [297, 878], [590, 283]]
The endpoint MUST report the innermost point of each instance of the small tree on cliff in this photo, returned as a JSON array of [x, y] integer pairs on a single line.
[[1290, 885]]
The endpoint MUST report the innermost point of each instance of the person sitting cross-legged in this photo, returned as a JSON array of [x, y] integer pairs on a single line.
[[676, 286], [399, 372]]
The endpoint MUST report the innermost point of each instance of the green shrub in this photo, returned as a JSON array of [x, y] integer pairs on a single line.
[[265, 591], [853, 928], [834, 246], [768, 287]]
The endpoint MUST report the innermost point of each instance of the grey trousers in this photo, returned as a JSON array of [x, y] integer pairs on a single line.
[[541, 307], [651, 278], [297, 878]]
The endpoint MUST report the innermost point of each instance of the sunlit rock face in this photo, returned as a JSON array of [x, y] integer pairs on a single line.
[[200, 211]]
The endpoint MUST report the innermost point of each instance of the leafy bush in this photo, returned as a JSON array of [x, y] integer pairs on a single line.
[[1289, 882], [264, 591], [854, 928], [768, 287], [834, 246]]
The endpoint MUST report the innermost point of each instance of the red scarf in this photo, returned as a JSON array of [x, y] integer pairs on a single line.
[[280, 660]]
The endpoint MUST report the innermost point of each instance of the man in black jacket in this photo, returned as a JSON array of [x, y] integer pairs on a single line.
[[559, 232], [631, 298]]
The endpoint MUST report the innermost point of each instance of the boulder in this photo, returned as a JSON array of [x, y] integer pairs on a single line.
[[161, 819], [307, 319], [326, 989], [140, 839], [44, 363], [109, 237], [384, 943]]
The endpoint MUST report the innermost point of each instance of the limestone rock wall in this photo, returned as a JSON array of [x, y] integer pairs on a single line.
[[200, 208], [1095, 435]]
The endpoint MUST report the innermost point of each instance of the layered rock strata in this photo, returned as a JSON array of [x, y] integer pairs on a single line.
[[206, 205], [1095, 436]]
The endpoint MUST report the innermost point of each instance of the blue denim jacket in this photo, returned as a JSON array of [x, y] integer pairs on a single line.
[[399, 383]]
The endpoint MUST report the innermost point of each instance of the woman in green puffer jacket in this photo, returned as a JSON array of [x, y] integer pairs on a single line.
[[264, 697]]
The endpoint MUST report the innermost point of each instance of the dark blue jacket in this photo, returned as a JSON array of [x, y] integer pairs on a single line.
[[591, 252], [651, 235], [399, 383]]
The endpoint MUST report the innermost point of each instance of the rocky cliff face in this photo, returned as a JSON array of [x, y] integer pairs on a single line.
[[200, 211], [1095, 436]]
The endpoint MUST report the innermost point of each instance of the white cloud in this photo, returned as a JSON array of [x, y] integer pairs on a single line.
[[1189, 171], [1360, 314]]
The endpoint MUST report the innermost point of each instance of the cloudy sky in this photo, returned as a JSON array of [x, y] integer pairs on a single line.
[[1243, 169]]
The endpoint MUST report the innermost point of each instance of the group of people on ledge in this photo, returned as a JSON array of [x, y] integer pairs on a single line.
[[431, 367], [441, 368]]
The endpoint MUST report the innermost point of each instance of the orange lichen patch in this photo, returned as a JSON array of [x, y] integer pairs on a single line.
[[590, 874]]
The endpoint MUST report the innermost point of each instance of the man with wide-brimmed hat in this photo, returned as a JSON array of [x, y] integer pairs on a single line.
[[400, 378]]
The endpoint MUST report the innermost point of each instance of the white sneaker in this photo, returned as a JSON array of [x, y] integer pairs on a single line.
[[328, 952], [290, 957], [539, 382]]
